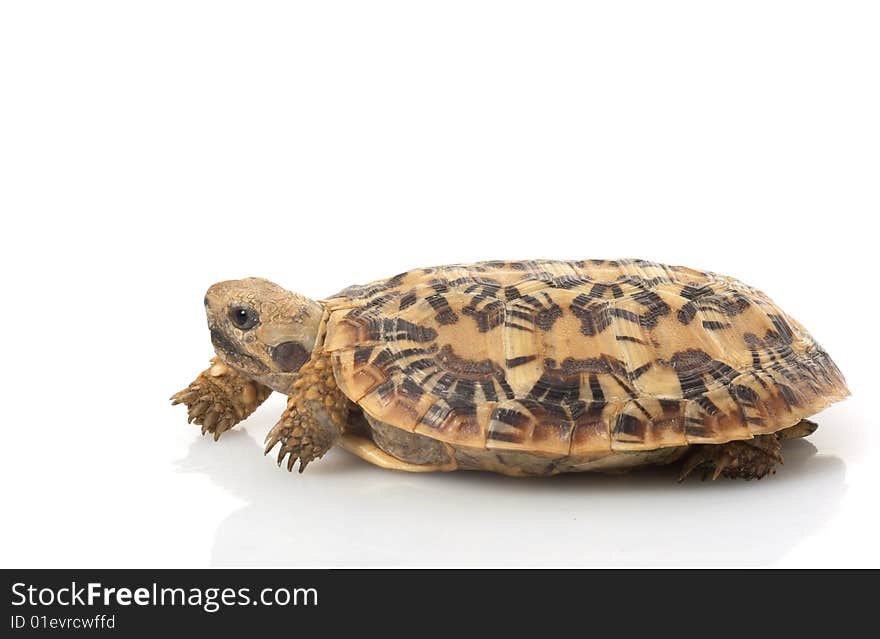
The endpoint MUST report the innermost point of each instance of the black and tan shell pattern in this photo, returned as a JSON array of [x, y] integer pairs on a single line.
[[575, 357]]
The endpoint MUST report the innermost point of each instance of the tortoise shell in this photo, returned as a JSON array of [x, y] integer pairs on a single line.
[[575, 357]]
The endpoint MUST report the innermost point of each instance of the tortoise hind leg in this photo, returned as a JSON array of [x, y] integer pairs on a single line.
[[747, 459], [803, 428]]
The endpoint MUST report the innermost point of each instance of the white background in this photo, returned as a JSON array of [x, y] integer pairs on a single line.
[[149, 149]]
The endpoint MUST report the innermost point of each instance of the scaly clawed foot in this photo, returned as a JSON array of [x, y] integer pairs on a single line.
[[301, 436], [747, 459], [220, 397]]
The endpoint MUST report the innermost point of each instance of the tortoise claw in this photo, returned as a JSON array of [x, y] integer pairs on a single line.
[[208, 408], [747, 459], [219, 398], [294, 432]]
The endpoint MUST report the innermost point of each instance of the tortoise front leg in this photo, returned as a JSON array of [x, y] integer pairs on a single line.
[[220, 397], [315, 416]]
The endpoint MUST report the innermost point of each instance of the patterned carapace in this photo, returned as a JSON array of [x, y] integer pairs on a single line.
[[575, 357]]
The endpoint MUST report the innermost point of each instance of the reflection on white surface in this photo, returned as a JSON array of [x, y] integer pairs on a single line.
[[343, 512]]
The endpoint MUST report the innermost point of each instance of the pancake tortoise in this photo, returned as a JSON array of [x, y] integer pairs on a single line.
[[523, 368]]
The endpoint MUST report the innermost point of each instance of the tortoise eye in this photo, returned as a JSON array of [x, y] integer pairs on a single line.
[[244, 317]]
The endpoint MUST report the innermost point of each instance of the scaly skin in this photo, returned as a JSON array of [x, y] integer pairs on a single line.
[[220, 397], [315, 416], [746, 459]]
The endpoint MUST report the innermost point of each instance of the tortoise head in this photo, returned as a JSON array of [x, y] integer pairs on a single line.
[[261, 329]]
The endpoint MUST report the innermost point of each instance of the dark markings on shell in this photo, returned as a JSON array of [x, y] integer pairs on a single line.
[[487, 317], [445, 315], [568, 282], [519, 327], [489, 391], [511, 293], [362, 355], [641, 370], [553, 391], [624, 314], [691, 292], [412, 390], [397, 329], [519, 361], [449, 361], [655, 307], [599, 290], [707, 301], [631, 426], [687, 313], [543, 312], [594, 317], [618, 305], [596, 389], [571, 366], [693, 366], [407, 300]]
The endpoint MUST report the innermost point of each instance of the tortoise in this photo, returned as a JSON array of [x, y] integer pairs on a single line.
[[519, 367]]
